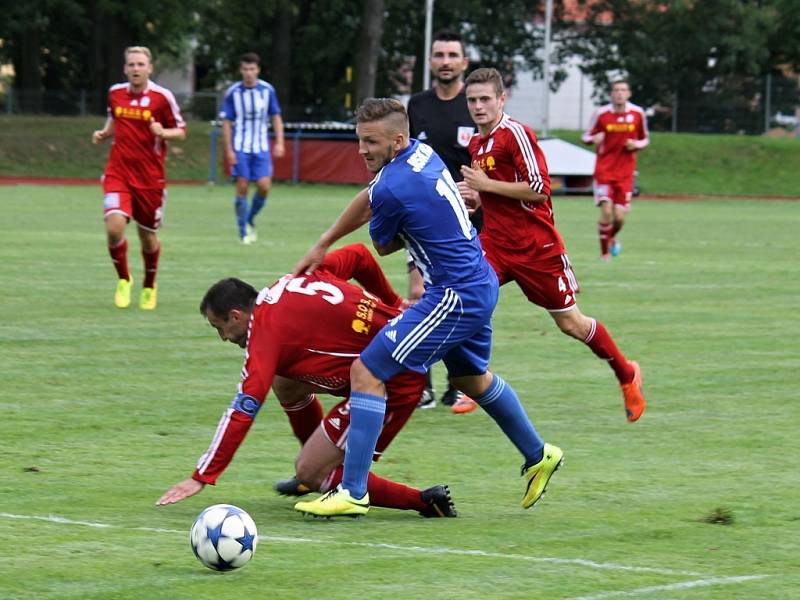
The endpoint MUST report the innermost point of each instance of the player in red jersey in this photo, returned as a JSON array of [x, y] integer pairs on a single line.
[[301, 335], [519, 234], [142, 116], [619, 130]]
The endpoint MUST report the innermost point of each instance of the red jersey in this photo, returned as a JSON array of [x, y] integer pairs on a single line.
[[614, 162], [511, 153], [308, 329], [137, 156]]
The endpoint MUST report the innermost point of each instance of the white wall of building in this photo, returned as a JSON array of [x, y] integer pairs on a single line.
[[571, 106]]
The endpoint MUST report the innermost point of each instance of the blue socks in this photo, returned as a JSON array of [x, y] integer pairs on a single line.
[[366, 423], [503, 405], [240, 206], [256, 205]]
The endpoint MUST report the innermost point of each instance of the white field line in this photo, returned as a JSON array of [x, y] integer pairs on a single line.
[[684, 585], [706, 581]]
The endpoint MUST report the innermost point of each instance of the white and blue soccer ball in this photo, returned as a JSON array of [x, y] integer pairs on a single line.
[[223, 537]]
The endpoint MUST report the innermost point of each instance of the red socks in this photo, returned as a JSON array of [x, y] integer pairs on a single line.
[[383, 492], [602, 344], [304, 417], [150, 267], [605, 233], [119, 256]]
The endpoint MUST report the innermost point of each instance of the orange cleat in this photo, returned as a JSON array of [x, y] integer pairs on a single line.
[[632, 392], [463, 404]]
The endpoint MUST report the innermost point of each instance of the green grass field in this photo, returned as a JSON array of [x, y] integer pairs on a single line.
[[105, 409]]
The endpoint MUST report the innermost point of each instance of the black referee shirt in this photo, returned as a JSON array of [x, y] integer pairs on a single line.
[[445, 125]]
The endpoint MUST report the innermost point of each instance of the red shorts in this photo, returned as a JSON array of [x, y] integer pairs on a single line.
[[547, 282], [619, 192], [146, 206], [403, 391]]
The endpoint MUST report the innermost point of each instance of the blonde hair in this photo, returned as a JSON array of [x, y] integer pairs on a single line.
[[389, 110], [140, 50]]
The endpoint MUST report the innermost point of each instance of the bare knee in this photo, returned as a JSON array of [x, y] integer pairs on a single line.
[[149, 240], [262, 186], [115, 229], [308, 473], [473, 385], [573, 323], [362, 379]]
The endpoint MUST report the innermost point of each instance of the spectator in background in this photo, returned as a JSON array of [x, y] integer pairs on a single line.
[[439, 117], [142, 116], [249, 106], [619, 130]]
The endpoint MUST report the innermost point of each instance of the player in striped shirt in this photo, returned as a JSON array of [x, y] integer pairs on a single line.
[[142, 116], [519, 234], [250, 105]]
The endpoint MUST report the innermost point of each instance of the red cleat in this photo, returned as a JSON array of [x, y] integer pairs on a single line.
[[632, 392], [464, 404]]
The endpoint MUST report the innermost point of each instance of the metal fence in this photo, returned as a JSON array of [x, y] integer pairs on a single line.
[[754, 106]]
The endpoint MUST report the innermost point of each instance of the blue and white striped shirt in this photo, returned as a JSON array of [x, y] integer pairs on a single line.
[[250, 110]]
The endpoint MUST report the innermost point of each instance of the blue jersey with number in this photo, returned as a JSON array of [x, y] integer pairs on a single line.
[[414, 197]]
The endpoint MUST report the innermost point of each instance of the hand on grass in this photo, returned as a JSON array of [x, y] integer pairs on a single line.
[[181, 491]]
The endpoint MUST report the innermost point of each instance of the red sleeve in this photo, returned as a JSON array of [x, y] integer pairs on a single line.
[[356, 262], [257, 375], [643, 131], [171, 116], [529, 160]]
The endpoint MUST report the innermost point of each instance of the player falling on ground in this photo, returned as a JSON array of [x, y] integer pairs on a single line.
[[301, 335], [142, 116], [250, 105], [619, 130], [413, 202], [519, 236]]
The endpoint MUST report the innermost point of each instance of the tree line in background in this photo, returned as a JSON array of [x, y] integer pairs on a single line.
[[679, 52]]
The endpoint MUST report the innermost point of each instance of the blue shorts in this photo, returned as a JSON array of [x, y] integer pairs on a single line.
[[252, 166], [452, 324]]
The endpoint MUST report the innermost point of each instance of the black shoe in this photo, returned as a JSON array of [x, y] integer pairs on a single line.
[[291, 487], [450, 397], [427, 400], [439, 502]]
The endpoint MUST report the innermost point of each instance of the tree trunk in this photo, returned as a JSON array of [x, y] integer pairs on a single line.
[[368, 49], [28, 68], [281, 64], [110, 36]]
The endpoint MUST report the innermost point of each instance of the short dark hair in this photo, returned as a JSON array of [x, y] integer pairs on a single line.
[[448, 35], [227, 294], [486, 75], [250, 58]]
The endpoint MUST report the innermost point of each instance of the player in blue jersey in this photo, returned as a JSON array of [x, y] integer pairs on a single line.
[[414, 203], [250, 104]]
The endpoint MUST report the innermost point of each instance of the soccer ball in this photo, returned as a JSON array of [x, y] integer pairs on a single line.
[[223, 537]]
